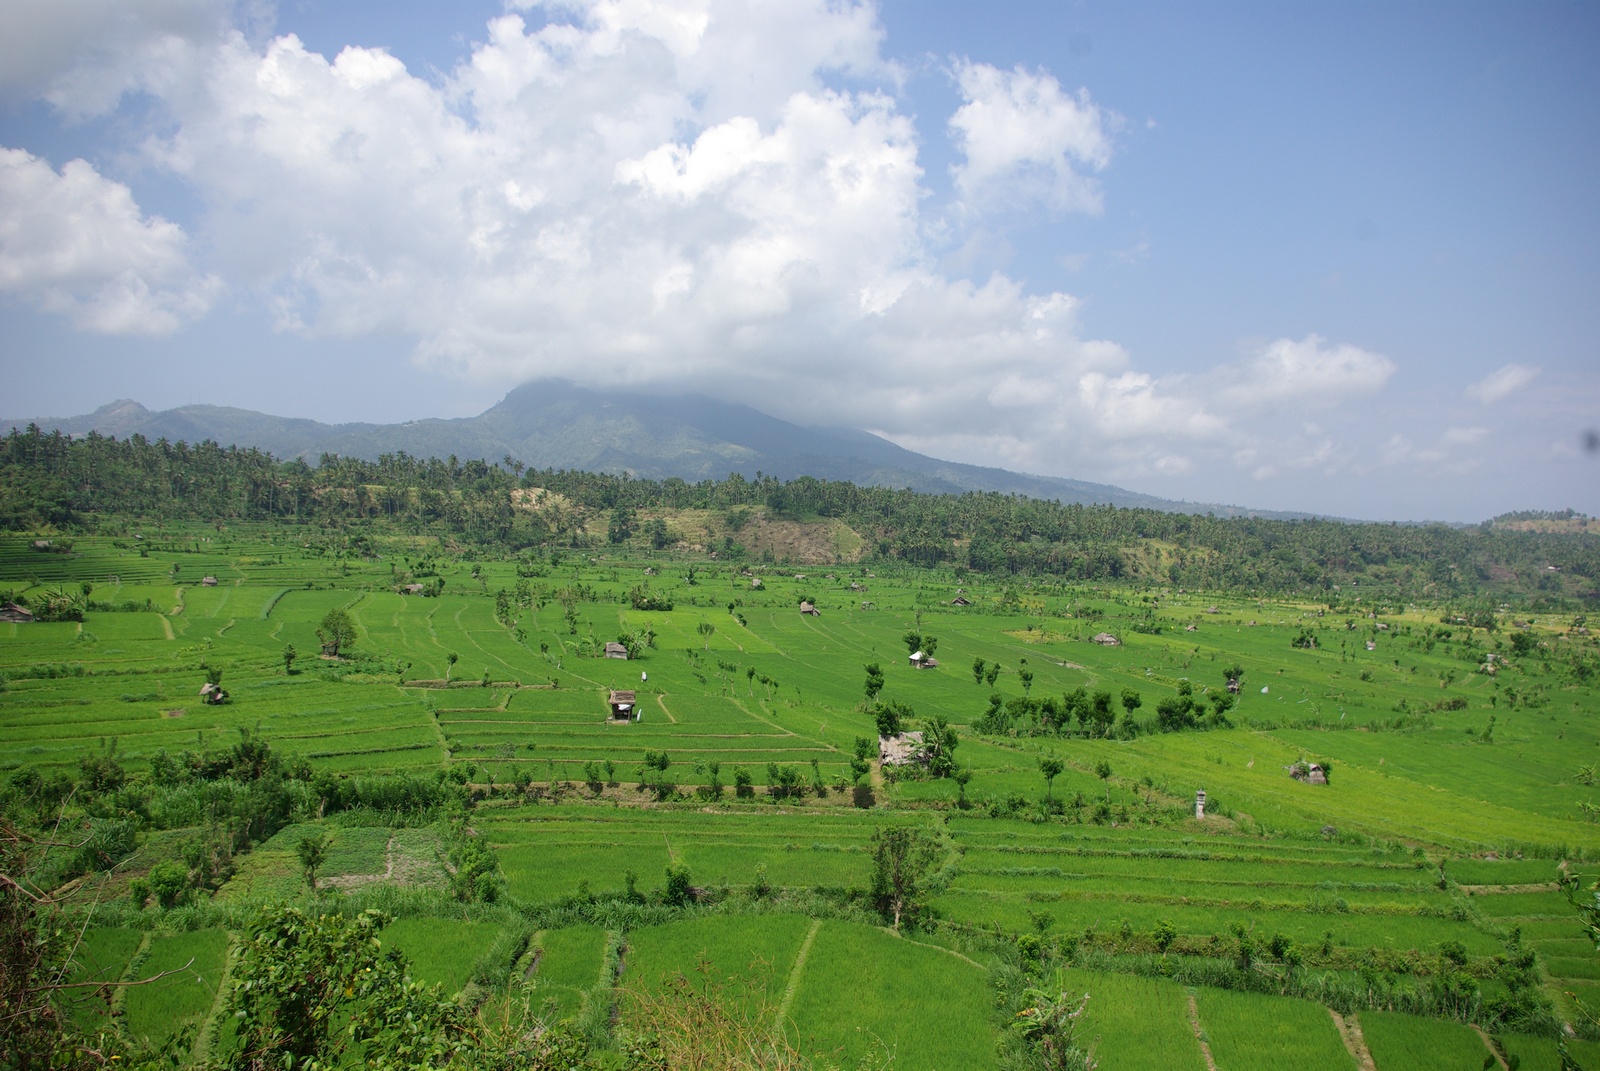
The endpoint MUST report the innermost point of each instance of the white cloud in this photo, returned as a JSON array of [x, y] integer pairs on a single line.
[[83, 55], [1305, 374], [1023, 136], [1502, 383], [721, 195], [75, 242]]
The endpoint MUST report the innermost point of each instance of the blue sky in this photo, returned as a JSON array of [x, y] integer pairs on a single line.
[[1336, 258]]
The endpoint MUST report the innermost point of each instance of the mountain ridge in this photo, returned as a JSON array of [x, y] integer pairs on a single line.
[[555, 424]]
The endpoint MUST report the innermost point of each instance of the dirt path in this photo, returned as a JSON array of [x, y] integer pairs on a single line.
[[1199, 1035], [891, 931], [1493, 890], [796, 971], [210, 1025], [661, 700], [1354, 1040], [1494, 1050], [166, 626], [785, 730]]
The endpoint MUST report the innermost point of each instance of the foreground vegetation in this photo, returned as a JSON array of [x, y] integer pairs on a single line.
[[416, 725]]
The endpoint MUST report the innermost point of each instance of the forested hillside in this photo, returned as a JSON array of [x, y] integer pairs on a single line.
[[52, 483]]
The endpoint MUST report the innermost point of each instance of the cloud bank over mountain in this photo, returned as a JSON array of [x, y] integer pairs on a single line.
[[726, 196]]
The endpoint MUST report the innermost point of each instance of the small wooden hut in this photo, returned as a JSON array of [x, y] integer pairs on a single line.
[[622, 704], [810, 610], [616, 650]]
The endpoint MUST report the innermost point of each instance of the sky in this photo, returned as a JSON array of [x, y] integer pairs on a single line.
[[1331, 257]]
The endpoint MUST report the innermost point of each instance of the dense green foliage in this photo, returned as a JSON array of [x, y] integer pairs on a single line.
[[84, 483]]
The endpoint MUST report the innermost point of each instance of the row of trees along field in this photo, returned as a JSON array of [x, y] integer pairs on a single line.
[[50, 480]]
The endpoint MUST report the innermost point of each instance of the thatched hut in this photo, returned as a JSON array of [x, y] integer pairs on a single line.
[[1105, 639], [902, 749], [623, 705], [616, 650], [18, 614], [810, 610]]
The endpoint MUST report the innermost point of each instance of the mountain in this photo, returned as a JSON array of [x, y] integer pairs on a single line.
[[553, 424]]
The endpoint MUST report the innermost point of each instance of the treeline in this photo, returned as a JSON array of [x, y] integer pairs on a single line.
[[67, 483]]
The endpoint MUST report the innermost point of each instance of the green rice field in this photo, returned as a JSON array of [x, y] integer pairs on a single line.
[[1454, 792]]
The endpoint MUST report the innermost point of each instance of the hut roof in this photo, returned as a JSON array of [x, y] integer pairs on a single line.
[[616, 650], [1105, 639], [807, 608], [13, 612], [900, 749], [960, 600], [208, 581]]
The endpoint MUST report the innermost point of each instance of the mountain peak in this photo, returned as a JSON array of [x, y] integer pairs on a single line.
[[653, 434]]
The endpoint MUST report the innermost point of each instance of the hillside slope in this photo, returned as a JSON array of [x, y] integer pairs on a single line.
[[552, 424]]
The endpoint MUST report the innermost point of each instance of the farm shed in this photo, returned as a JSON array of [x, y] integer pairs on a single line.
[[616, 650], [622, 705], [923, 661], [857, 586], [13, 612], [756, 582], [1310, 772], [208, 581], [960, 600], [809, 609], [212, 694], [1105, 639], [901, 749], [411, 589]]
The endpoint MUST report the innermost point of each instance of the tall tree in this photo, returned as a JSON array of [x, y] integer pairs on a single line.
[[901, 857]]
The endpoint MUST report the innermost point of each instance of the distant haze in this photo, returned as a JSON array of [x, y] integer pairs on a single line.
[[552, 424]]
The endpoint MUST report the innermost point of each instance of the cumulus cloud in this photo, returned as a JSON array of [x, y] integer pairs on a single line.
[[717, 195], [82, 56], [1309, 373], [74, 242], [1502, 383], [1021, 134]]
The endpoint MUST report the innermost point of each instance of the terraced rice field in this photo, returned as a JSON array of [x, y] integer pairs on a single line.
[[1433, 830]]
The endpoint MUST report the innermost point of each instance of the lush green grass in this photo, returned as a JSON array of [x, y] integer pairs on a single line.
[[569, 967], [1539, 1054], [1253, 1032], [1135, 1024], [751, 955], [864, 990], [1408, 1043], [102, 956], [440, 951], [183, 998]]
